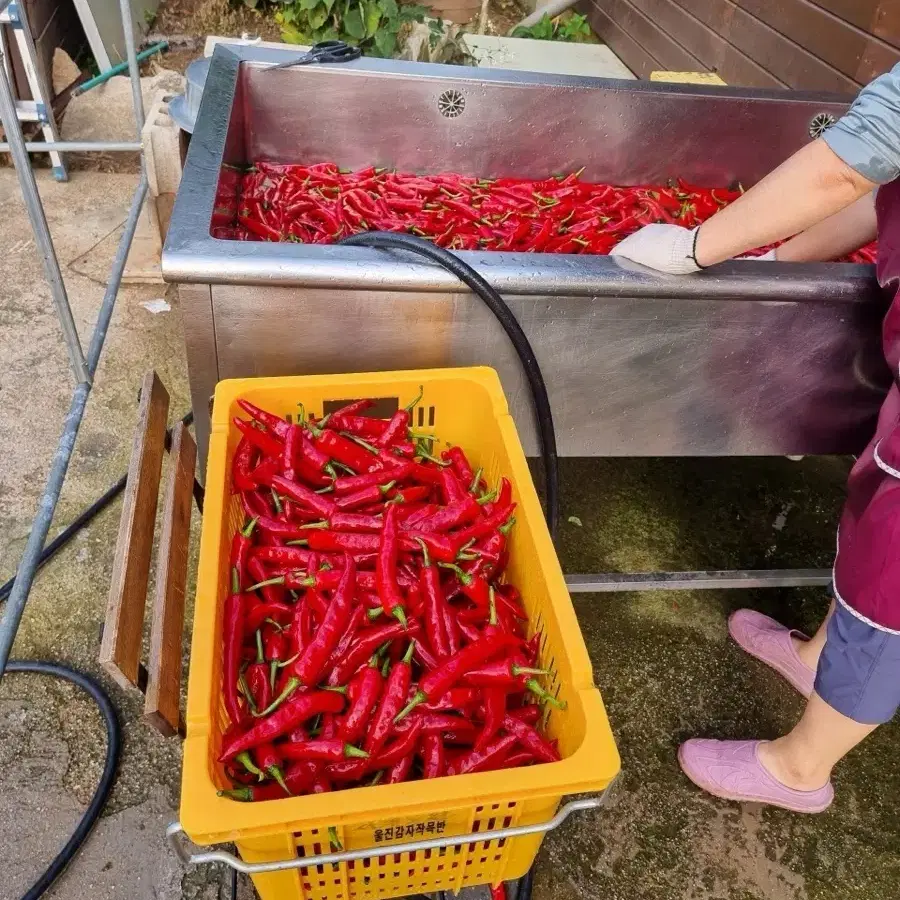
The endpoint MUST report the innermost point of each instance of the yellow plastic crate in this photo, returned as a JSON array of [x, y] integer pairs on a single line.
[[466, 407]]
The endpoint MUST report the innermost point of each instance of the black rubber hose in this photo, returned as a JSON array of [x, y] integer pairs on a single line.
[[104, 786], [386, 240]]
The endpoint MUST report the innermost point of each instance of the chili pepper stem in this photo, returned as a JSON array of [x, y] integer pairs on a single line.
[[419, 698], [464, 577], [267, 583], [335, 689], [334, 839], [248, 529], [352, 752], [399, 613], [244, 795], [260, 656], [426, 559], [276, 773], [235, 582], [538, 690], [273, 671], [416, 400], [247, 762], [525, 670], [289, 689]]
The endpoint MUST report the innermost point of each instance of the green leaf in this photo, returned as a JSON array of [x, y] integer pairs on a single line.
[[317, 18], [353, 24], [329, 5], [385, 43], [308, 4], [574, 520], [389, 8], [373, 17]]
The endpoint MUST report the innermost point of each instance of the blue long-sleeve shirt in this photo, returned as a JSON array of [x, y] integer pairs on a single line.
[[867, 138]]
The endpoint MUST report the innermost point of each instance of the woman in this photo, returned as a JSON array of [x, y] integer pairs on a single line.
[[850, 670]]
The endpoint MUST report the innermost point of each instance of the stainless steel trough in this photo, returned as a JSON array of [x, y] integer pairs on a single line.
[[745, 359]]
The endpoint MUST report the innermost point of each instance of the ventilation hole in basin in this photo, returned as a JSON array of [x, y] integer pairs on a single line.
[[451, 104], [820, 124]]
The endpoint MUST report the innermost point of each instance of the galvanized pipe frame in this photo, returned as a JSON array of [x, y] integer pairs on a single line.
[[84, 368]]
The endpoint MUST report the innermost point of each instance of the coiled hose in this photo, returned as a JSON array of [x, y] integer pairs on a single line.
[[104, 786]]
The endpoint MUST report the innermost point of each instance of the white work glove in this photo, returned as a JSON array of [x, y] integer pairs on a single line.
[[666, 248], [766, 257]]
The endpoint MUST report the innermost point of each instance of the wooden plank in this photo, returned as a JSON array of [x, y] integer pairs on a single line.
[[781, 57], [120, 651], [886, 22], [861, 13], [854, 52], [619, 41], [161, 707], [668, 52], [703, 42]]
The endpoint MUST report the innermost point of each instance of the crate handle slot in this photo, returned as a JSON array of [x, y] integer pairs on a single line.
[[174, 831]]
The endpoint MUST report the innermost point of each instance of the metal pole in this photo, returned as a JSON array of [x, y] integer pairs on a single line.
[[79, 146], [39, 225], [133, 71], [28, 565], [617, 582]]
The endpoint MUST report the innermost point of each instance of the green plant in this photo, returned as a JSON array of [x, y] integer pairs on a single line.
[[373, 25], [574, 29]]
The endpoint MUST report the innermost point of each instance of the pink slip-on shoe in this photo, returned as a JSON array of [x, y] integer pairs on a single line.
[[732, 770], [771, 643]]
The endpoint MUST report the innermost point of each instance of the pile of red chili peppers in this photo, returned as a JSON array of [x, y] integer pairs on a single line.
[[367, 633], [321, 204]]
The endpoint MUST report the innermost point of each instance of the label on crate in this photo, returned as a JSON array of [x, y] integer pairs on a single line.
[[404, 831]]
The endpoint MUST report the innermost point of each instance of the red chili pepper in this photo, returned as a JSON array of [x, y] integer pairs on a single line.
[[369, 684], [433, 611], [346, 452], [460, 463], [240, 466], [373, 494], [400, 771], [494, 715], [294, 712], [273, 594], [362, 426], [435, 722], [433, 757], [497, 519], [278, 426], [459, 512], [352, 484], [503, 673], [386, 570], [278, 612], [460, 699], [404, 745], [232, 639], [396, 689], [530, 713], [318, 503], [529, 738], [354, 623], [352, 542], [241, 545], [283, 556], [259, 685], [267, 759], [365, 644], [486, 759], [328, 750], [270, 446], [311, 664], [443, 547], [438, 682], [451, 487]]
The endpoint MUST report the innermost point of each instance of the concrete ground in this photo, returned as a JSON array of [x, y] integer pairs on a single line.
[[661, 660]]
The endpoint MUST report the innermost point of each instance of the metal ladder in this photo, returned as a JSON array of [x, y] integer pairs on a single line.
[[39, 109]]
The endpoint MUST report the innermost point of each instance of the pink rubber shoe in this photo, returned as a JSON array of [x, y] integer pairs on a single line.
[[732, 770], [771, 642]]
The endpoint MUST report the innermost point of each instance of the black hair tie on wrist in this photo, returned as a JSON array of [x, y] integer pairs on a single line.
[[694, 248]]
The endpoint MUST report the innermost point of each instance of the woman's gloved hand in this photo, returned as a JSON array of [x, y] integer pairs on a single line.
[[666, 248]]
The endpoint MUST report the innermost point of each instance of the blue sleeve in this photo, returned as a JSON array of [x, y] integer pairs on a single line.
[[867, 138]]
